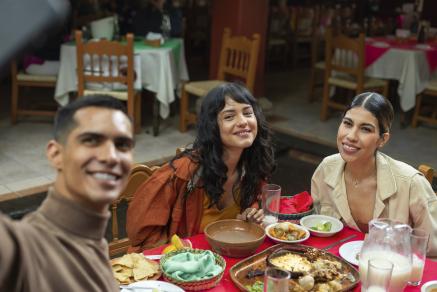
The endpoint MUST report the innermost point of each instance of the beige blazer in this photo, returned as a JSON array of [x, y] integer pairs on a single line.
[[403, 194]]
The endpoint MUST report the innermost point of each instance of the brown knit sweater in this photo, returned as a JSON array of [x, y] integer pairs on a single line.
[[59, 247]]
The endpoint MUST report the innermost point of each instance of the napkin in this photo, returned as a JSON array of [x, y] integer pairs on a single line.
[[151, 36], [296, 204], [188, 266]]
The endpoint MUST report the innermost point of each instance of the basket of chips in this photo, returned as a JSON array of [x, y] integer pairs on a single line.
[[193, 269], [134, 267]]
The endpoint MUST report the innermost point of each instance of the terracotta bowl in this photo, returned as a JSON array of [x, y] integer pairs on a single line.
[[234, 238]]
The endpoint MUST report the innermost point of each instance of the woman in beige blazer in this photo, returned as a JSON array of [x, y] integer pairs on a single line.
[[360, 183]]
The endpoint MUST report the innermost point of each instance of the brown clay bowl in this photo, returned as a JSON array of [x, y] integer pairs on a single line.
[[234, 238]]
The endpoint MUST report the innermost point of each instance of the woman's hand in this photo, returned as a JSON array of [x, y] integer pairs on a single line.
[[252, 215]]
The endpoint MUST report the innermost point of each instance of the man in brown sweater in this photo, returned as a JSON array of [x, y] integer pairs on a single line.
[[61, 246]]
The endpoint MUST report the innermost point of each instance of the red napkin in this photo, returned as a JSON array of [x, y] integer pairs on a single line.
[[296, 204]]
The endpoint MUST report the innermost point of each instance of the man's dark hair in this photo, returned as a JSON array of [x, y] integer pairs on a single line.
[[64, 119]]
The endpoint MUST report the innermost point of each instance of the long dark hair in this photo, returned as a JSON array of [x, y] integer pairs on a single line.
[[379, 106], [257, 161]]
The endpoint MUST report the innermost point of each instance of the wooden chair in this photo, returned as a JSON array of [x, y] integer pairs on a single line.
[[238, 58], [107, 66], [279, 35], [345, 56], [303, 23], [427, 171], [139, 174], [22, 79], [425, 112]]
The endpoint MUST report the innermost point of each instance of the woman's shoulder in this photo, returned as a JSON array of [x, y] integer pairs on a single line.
[[332, 161], [183, 167], [398, 168]]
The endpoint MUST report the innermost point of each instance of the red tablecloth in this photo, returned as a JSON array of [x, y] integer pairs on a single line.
[[227, 285], [375, 52]]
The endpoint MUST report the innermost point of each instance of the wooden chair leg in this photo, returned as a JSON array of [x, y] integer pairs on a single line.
[[417, 110], [325, 102], [183, 111], [155, 116], [137, 119], [14, 103]]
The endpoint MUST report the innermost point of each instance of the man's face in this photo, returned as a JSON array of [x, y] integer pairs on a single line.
[[94, 162]]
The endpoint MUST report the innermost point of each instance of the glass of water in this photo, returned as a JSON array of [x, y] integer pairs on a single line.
[[271, 196]]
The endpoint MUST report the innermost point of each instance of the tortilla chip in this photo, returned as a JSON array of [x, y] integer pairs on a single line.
[[133, 267], [126, 261], [123, 276], [117, 268], [144, 269]]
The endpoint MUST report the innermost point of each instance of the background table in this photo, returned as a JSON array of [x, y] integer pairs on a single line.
[[413, 67], [226, 283], [159, 69]]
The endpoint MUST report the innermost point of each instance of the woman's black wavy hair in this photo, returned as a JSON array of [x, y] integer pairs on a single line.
[[257, 160]]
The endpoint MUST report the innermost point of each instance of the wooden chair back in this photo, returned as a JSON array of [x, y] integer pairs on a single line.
[[139, 174], [21, 79], [345, 55], [239, 57], [304, 20], [108, 62], [427, 171]]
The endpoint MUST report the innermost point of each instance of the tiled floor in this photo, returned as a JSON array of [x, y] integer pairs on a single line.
[[23, 164], [22, 147]]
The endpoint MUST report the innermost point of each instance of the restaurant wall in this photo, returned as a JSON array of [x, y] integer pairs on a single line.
[[244, 17]]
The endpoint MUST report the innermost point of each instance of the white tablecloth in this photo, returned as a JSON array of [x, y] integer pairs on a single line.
[[409, 67], [156, 69]]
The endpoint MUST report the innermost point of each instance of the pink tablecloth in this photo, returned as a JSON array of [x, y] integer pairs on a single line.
[[226, 283], [374, 50]]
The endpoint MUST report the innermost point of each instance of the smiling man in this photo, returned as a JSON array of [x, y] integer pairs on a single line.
[[61, 246]]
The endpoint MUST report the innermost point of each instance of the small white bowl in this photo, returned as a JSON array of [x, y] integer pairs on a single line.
[[307, 233], [428, 286], [312, 220]]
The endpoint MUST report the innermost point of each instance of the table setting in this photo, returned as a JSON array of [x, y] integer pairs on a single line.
[[160, 69], [309, 253], [413, 64]]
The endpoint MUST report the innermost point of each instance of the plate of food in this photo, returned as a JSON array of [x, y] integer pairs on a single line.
[[134, 267], [350, 251], [311, 269], [287, 232], [154, 286], [321, 225]]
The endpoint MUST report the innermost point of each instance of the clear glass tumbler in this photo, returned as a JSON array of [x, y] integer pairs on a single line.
[[276, 280], [271, 196], [419, 244], [378, 275]]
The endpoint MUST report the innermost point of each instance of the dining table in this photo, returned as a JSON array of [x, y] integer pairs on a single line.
[[159, 69], [226, 284], [411, 63]]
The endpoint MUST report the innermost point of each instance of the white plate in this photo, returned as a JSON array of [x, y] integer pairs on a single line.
[[350, 250], [380, 45], [428, 286], [147, 286], [307, 233], [423, 46]]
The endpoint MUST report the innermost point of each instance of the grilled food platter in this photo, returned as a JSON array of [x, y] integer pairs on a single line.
[[305, 264]]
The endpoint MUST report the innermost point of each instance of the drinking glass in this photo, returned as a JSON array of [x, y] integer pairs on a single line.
[[378, 275], [419, 244], [276, 280], [271, 196]]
